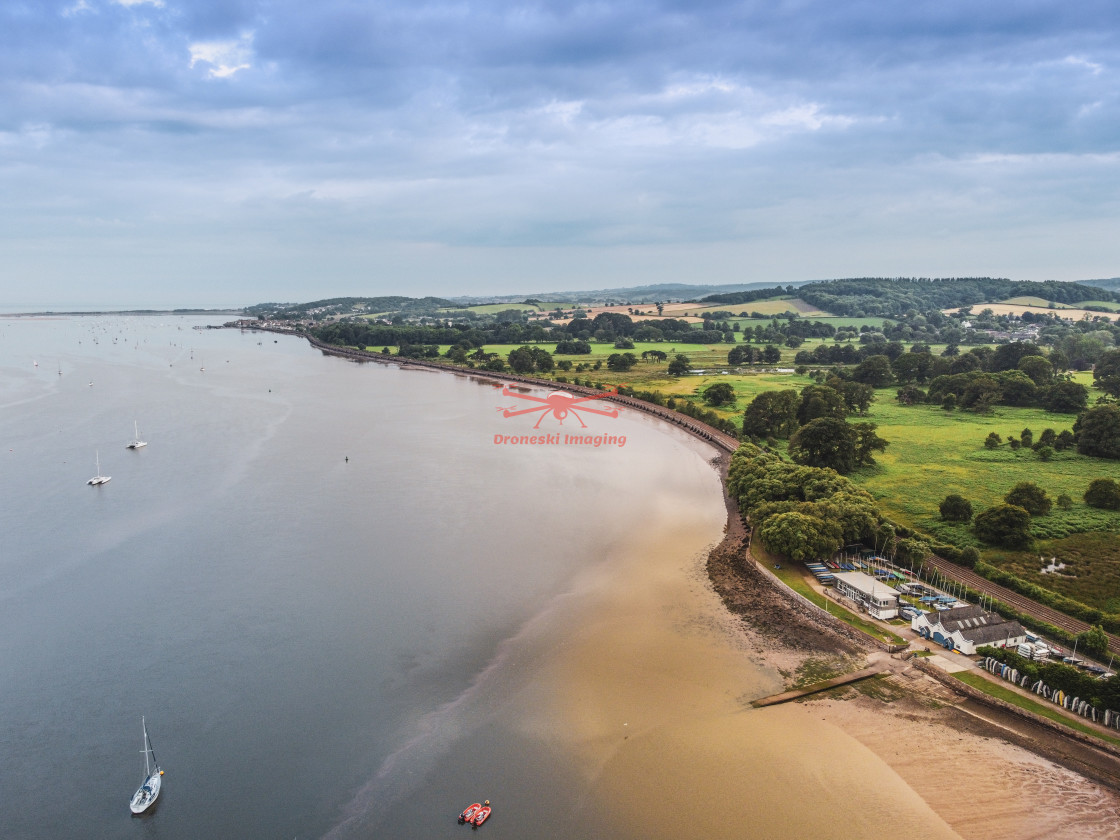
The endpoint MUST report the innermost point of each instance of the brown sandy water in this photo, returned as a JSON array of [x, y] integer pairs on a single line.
[[623, 712], [653, 689]]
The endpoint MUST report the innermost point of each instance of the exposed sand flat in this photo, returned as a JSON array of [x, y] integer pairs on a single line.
[[653, 692], [982, 786]]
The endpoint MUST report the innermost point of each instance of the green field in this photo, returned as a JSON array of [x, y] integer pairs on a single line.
[[933, 453], [1027, 300], [1111, 305], [494, 308], [774, 306]]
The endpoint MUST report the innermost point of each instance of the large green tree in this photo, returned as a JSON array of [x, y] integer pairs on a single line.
[[820, 401], [722, 393], [680, 365], [771, 414], [1004, 525], [526, 359], [1106, 372], [621, 361], [1103, 493], [1098, 431], [874, 371], [1030, 497], [825, 442], [800, 536], [867, 442], [956, 508]]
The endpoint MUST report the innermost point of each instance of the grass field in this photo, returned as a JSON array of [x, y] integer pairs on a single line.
[[493, 308], [1092, 560], [1104, 304], [933, 453], [1028, 300]]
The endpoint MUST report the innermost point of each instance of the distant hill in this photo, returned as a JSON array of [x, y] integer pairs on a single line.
[[663, 292], [1112, 284], [351, 306], [873, 297]]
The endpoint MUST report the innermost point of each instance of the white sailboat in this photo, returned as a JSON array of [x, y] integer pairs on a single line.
[[148, 791], [136, 442], [99, 478]]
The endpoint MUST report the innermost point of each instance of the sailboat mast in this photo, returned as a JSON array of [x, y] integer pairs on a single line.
[[144, 726]]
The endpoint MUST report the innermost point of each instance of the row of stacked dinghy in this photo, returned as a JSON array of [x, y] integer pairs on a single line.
[[1107, 717]]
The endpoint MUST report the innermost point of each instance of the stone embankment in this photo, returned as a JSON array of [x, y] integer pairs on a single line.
[[694, 427]]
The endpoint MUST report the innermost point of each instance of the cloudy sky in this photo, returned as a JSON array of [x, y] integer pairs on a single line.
[[226, 152]]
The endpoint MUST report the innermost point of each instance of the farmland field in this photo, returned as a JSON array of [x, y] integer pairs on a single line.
[[1069, 314]]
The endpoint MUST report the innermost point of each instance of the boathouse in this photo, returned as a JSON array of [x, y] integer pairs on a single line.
[[966, 628]]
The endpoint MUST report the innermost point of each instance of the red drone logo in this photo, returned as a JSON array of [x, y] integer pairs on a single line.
[[559, 404]]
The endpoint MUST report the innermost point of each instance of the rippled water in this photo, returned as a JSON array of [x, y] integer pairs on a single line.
[[298, 581]]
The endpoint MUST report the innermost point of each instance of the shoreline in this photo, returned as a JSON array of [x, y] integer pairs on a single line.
[[921, 709]]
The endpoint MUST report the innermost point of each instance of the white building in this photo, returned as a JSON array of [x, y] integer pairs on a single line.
[[879, 599], [967, 628]]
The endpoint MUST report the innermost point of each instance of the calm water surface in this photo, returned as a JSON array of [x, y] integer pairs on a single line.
[[294, 625]]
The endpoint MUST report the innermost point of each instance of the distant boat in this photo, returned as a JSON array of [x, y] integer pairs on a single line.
[[99, 478], [136, 442], [148, 791]]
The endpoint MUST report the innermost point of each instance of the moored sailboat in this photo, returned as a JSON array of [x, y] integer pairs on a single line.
[[148, 791], [136, 442], [99, 478]]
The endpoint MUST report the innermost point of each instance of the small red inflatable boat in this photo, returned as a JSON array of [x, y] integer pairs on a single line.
[[469, 812], [482, 814]]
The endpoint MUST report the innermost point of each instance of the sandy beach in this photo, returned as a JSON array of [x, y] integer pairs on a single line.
[[654, 691]]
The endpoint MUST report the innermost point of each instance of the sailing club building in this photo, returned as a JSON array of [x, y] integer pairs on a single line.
[[967, 628], [879, 599]]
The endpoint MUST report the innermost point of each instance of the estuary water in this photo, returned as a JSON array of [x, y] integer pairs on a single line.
[[346, 611], [299, 581]]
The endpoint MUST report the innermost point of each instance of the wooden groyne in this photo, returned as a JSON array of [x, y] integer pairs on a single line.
[[824, 685]]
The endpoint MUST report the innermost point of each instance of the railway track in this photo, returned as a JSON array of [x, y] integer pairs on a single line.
[[1013, 599]]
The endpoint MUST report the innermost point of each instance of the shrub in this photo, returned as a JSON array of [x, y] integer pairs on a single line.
[[1045, 453], [955, 508], [1103, 493], [992, 441], [1064, 501], [1005, 525], [1030, 497], [1026, 438], [721, 393]]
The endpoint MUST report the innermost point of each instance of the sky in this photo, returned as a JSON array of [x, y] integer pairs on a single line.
[[179, 153]]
